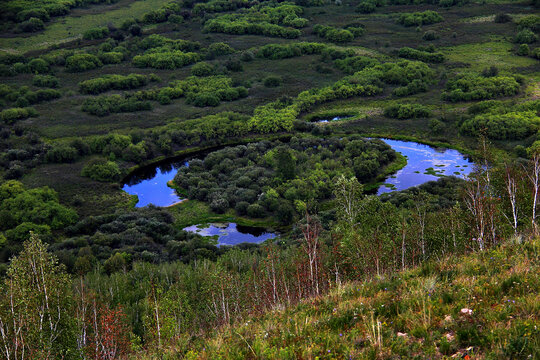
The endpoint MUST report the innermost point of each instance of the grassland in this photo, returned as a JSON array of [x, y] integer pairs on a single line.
[[484, 306]]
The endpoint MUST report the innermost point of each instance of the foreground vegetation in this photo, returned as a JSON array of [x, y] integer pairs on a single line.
[[93, 90]]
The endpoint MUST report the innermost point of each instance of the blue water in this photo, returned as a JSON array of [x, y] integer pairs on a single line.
[[232, 234], [334, 119], [420, 157], [150, 185]]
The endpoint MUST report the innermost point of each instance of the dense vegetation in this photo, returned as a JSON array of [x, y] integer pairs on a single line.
[[283, 180], [277, 107]]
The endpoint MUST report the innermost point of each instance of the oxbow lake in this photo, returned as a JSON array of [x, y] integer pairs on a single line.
[[424, 163]]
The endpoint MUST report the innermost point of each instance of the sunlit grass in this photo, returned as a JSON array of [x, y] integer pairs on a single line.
[[498, 52], [72, 27]]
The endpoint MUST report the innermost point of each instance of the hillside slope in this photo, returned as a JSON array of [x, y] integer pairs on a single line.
[[484, 305]]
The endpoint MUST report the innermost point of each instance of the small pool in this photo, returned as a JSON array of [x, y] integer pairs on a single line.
[[424, 163], [232, 234], [150, 185]]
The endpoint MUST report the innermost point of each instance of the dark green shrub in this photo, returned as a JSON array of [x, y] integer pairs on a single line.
[[414, 54], [101, 170], [45, 81], [106, 105], [366, 7], [406, 111], [272, 81], [111, 57], [38, 66], [9, 116], [31, 25], [419, 18], [82, 62], [525, 36], [430, 35], [96, 33], [202, 69], [523, 50], [61, 153]]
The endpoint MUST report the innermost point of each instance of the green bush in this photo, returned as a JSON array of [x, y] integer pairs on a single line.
[[414, 54], [419, 18], [9, 116], [406, 111], [111, 57], [284, 51], [366, 7], [350, 65], [525, 36], [430, 35], [112, 82], [38, 66], [31, 25], [82, 62], [502, 18], [45, 81], [272, 81], [467, 88], [61, 153], [96, 33], [336, 35], [523, 50], [165, 60], [106, 171], [202, 69], [514, 125], [105, 105]]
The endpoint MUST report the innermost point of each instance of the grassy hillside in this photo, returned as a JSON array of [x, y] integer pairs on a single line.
[[486, 305]]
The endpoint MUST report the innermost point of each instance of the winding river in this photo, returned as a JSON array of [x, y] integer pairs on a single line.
[[424, 163]]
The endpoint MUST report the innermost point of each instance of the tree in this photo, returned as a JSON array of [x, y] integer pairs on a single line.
[[348, 193], [35, 307]]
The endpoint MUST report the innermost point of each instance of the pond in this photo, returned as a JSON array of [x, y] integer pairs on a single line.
[[424, 163], [150, 184], [336, 118], [232, 234]]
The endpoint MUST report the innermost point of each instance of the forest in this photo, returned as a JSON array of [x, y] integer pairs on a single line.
[[387, 153]]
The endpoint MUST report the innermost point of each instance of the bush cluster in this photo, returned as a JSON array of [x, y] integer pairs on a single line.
[[112, 82], [337, 35], [165, 59], [101, 170], [272, 178], [419, 18], [83, 62], [425, 56], [9, 116], [406, 111], [469, 87], [107, 104], [96, 33]]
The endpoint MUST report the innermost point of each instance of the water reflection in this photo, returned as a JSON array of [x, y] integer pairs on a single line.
[[424, 163], [232, 234]]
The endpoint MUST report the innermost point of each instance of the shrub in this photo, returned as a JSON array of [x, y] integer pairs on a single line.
[[366, 7], [430, 35], [350, 65], [333, 34], [112, 82], [406, 111], [166, 60], [61, 153], [105, 105], [38, 66], [467, 88], [514, 125], [255, 211], [41, 14], [111, 57], [9, 116], [32, 25], [414, 54], [96, 33], [82, 62], [105, 171], [419, 18], [202, 69], [220, 48], [45, 81], [525, 36], [523, 50], [272, 81]]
